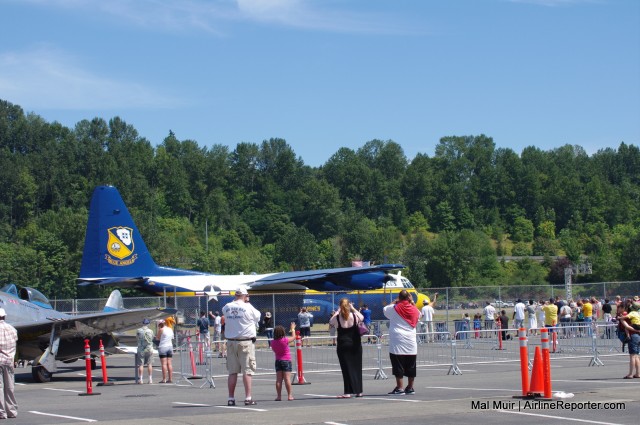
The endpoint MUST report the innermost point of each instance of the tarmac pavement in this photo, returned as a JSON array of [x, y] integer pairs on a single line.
[[482, 394]]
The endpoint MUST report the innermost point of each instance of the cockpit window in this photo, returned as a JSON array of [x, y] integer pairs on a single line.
[[35, 296], [10, 289], [406, 284]]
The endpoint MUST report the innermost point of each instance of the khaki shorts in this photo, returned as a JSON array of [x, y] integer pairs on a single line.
[[241, 357], [144, 358]]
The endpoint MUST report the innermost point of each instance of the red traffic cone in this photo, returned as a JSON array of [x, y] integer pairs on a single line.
[[536, 385]]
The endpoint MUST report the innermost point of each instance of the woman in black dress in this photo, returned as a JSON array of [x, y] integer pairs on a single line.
[[349, 348]]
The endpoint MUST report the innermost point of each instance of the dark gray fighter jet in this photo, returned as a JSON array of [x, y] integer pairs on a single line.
[[46, 335]]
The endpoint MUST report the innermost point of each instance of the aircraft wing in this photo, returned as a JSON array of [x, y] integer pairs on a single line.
[[87, 325], [338, 279]]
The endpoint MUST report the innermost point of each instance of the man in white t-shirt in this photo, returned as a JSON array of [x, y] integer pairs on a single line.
[[518, 314], [217, 328], [240, 321], [427, 317], [489, 316]]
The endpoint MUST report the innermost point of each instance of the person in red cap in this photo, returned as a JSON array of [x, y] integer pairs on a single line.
[[8, 342]]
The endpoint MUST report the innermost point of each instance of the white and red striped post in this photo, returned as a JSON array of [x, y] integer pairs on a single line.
[[200, 352], [103, 365], [546, 362], [300, 375], [524, 361], [191, 357], [87, 359]]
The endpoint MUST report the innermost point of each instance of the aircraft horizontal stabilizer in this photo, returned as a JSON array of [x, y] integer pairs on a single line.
[[126, 282]]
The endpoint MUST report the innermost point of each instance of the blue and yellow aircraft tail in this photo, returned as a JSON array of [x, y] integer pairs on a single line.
[[114, 251]]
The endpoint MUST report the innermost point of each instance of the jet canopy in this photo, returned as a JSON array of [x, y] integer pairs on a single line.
[[28, 294]]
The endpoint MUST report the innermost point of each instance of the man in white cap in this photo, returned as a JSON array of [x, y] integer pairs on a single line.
[[267, 324], [241, 319], [8, 342]]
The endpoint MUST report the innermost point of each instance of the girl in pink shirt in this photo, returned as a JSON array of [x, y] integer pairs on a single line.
[[280, 347]]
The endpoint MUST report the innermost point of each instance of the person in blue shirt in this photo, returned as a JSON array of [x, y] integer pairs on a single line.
[[203, 330], [366, 313]]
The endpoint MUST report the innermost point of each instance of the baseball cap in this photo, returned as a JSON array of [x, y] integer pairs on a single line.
[[267, 314], [2, 312], [146, 322], [241, 291]]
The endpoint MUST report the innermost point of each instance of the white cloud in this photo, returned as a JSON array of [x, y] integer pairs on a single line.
[[162, 15], [213, 15], [50, 79], [322, 16]]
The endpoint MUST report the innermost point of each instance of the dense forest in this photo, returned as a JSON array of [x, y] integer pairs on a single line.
[[259, 208]]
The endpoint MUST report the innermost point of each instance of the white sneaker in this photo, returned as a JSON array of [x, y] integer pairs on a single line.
[[139, 381], [150, 381]]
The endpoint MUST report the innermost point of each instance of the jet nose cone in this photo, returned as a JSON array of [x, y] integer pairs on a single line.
[[422, 300]]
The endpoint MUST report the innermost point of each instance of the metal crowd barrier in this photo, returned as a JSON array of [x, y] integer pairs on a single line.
[[440, 348], [196, 361]]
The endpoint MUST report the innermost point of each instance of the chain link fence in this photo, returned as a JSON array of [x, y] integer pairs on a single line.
[[451, 305]]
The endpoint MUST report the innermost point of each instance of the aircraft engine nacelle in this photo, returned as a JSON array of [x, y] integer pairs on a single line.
[[358, 282]]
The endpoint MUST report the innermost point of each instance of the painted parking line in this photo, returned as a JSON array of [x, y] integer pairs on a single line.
[[191, 404], [242, 408], [473, 389], [599, 381], [223, 407], [408, 400], [62, 416], [59, 389], [540, 415]]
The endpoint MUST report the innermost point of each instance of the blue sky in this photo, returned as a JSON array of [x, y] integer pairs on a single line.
[[325, 74]]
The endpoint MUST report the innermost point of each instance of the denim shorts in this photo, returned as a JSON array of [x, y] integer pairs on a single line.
[[164, 352], [283, 366], [634, 344]]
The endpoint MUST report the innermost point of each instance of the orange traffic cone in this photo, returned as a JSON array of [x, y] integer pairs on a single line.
[[536, 386]]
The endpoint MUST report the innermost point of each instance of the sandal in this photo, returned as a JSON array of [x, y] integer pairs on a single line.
[[628, 377], [250, 402], [162, 382], [345, 396], [278, 399], [290, 399], [359, 395]]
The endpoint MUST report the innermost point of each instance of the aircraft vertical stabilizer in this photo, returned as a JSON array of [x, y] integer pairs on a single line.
[[114, 303], [113, 245]]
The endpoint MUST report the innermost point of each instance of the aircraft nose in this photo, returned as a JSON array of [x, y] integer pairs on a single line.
[[422, 300]]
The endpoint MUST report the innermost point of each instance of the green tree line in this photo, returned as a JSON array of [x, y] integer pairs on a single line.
[[258, 208]]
